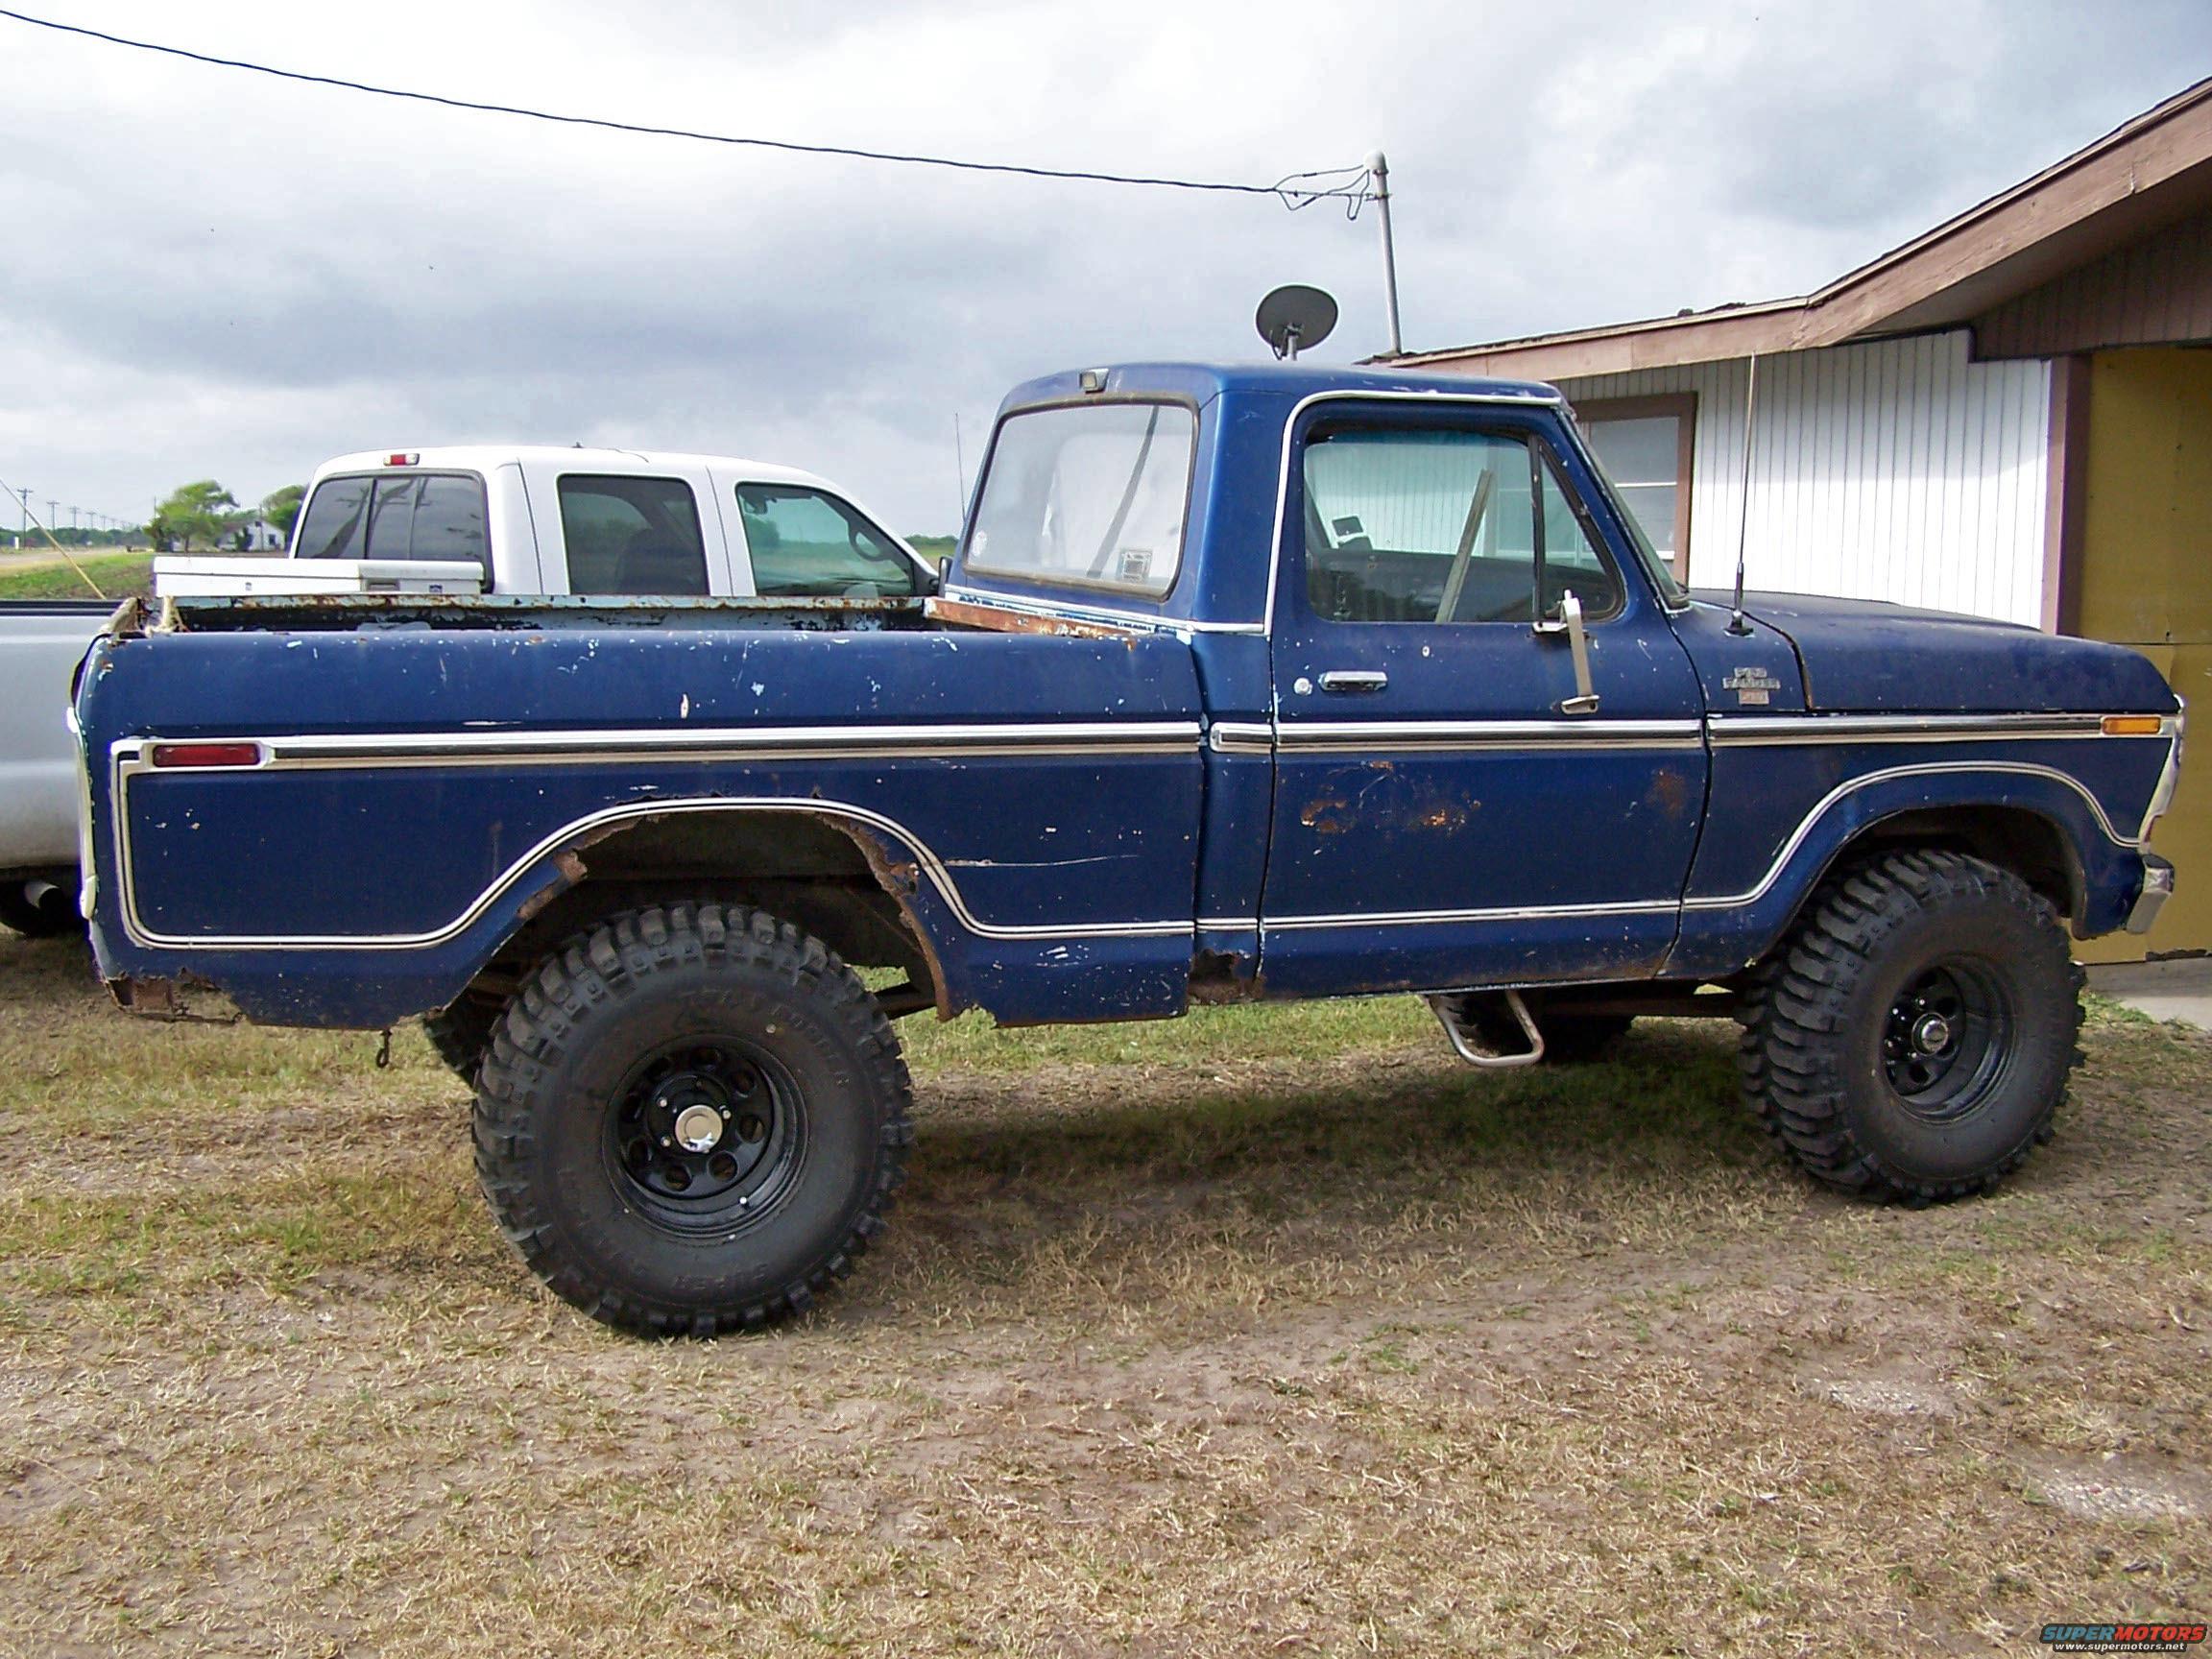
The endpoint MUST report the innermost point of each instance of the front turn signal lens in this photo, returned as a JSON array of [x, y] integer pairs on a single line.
[[2134, 725]]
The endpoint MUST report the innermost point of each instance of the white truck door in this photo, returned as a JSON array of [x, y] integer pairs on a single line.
[[628, 528], [800, 538]]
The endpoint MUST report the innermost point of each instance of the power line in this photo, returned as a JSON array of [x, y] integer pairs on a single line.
[[1353, 194]]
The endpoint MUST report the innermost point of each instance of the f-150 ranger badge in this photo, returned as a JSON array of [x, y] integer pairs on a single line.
[[1751, 685]]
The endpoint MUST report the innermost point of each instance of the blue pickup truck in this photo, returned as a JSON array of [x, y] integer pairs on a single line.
[[1244, 683]]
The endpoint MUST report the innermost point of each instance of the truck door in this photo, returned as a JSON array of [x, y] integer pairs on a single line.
[[1452, 808], [645, 531]]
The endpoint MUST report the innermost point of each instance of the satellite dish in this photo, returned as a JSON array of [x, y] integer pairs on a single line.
[[1295, 317]]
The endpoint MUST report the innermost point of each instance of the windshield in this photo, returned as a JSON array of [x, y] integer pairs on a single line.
[[1091, 495], [1654, 563]]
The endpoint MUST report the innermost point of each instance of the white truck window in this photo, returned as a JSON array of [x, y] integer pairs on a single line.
[[411, 516], [805, 545], [632, 536]]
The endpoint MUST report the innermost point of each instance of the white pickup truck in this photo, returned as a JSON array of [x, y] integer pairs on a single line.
[[611, 522], [519, 521], [41, 642]]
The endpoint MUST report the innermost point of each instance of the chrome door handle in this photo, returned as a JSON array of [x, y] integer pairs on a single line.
[[1354, 680]]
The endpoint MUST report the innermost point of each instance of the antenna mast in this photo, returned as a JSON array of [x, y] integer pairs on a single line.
[[1737, 625]]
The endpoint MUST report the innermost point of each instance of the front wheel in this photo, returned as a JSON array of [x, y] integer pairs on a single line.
[[692, 1119], [1913, 1037]]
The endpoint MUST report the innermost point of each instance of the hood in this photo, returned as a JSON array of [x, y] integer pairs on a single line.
[[1865, 655]]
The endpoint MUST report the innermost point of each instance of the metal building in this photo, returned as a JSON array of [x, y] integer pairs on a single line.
[[2011, 415]]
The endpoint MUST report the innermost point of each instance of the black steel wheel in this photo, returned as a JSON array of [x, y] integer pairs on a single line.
[[1948, 1039], [692, 1119], [1912, 1037], [705, 1132]]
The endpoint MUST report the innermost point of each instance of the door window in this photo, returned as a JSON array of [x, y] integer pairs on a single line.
[[632, 536], [806, 545], [1429, 525]]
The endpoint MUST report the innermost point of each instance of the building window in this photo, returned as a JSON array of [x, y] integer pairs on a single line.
[[1644, 443]]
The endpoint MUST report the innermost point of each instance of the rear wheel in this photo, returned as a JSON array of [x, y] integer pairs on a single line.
[[1913, 1037], [692, 1119]]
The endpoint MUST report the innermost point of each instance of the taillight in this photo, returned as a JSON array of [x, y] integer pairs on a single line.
[[207, 755]]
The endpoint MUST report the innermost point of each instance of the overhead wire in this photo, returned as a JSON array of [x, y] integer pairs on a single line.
[[1283, 189]]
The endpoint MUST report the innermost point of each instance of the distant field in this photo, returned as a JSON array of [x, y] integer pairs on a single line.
[[118, 574], [1268, 1332]]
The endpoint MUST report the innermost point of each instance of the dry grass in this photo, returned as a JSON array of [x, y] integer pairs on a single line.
[[1266, 1332]]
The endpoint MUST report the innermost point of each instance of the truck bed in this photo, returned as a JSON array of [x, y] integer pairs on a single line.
[[416, 775], [326, 613]]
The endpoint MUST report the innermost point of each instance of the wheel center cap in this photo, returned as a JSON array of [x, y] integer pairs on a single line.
[[698, 1128], [1931, 1033]]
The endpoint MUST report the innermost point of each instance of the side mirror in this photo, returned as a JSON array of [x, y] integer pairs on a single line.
[[944, 570], [1569, 623]]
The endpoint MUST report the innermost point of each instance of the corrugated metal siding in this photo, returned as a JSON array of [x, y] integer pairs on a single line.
[[1895, 470], [2154, 292]]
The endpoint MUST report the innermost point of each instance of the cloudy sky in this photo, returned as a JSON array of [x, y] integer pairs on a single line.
[[204, 272]]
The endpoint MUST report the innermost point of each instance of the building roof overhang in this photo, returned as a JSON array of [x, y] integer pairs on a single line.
[[2146, 174]]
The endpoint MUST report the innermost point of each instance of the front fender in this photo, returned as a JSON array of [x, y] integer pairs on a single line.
[[1748, 889]]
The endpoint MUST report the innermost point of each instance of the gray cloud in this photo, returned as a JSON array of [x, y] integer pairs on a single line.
[[213, 274]]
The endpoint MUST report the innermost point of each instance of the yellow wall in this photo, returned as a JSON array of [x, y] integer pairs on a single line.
[[2145, 578]]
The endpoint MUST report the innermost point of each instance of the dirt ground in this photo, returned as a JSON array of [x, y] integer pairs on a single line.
[[1266, 1332]]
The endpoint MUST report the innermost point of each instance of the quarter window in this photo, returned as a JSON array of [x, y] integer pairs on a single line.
[[806, 545], [1431, 525], [632, 536]]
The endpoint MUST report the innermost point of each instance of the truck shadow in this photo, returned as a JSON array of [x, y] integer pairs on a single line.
[[1047, 1192]]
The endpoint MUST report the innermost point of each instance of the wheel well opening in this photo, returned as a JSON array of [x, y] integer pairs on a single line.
[[2025, 842], [824, 876]]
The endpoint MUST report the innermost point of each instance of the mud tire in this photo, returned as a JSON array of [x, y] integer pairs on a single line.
[[460, 1035], [710, 979], [1827, 1061]]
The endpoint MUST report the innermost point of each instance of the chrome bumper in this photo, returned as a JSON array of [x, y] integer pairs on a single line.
[[2157, 888]]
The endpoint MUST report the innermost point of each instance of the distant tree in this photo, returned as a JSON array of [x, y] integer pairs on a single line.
[[282, 508], [200, 511]]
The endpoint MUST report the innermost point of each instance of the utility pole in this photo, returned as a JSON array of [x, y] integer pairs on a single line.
[[1379, 170]]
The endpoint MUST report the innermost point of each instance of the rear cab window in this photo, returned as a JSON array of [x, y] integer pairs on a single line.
[[1088, 495], [406, 516], [632, 536]]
